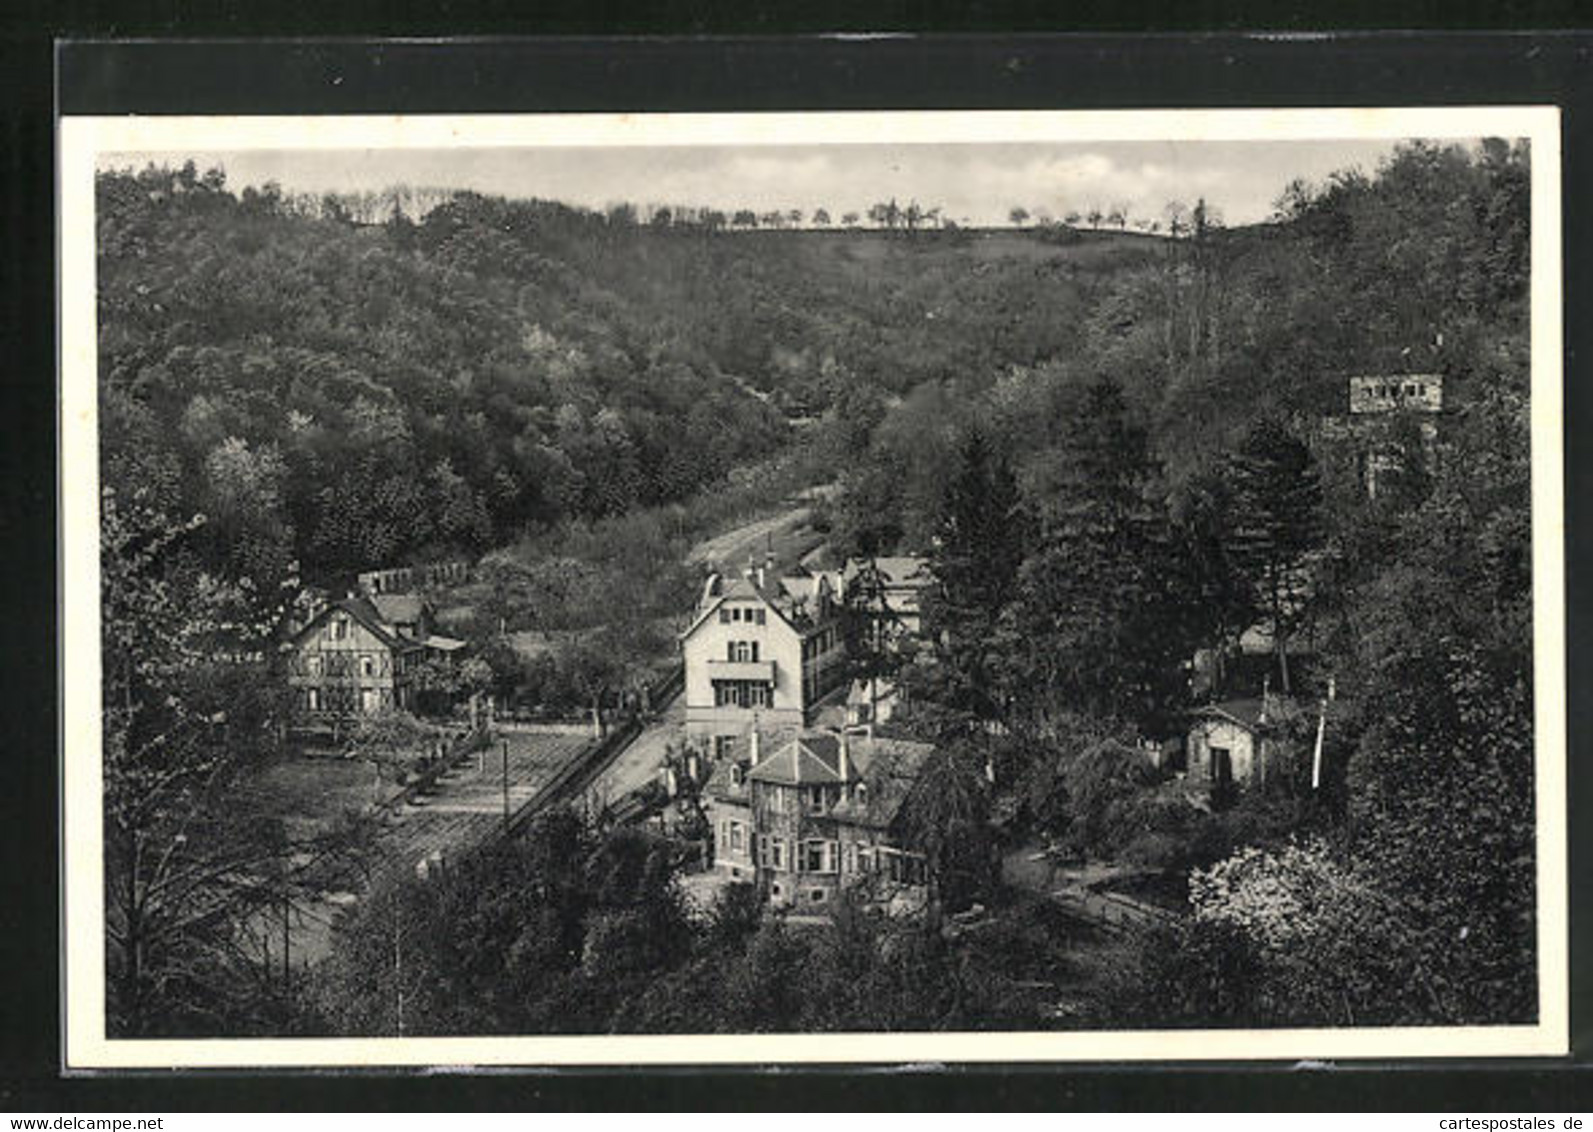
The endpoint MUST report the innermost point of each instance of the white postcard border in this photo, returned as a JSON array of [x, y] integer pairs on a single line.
[[82, 139]]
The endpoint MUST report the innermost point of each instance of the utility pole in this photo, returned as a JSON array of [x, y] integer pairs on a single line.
[[398, 970], [1316, 758]]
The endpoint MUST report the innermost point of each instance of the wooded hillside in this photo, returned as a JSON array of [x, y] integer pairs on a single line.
[[357, 394], [361, 394]]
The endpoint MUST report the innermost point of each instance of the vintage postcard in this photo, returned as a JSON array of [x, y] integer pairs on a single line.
[[812, 588]]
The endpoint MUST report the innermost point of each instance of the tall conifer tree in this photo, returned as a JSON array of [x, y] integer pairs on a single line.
[[1095, 592], [979, 545], [1277, 523]]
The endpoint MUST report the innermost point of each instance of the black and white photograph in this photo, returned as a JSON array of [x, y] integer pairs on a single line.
[[834, 587]]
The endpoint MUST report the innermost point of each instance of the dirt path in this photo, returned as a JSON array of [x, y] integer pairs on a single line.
[[750, 539]]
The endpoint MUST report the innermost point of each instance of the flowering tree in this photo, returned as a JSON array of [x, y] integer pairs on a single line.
[[192, 873], [1336, 944]]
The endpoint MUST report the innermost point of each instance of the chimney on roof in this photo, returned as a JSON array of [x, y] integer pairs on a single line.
[[845, 769], [756, 743]]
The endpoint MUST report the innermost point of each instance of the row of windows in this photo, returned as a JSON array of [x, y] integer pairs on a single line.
[[820, 856], [818, 799], [1394, 389], [346, 664], [728, 614], [347, 699], [820, 643], [814, 855], [742, 694], [813, 799]]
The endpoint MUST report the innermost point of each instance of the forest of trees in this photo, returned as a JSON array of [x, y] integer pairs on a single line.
[[349, 394], [1110, 450], [1093, 521], [569, 930]]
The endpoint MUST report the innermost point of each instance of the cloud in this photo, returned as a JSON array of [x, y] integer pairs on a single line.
[[778, 169], [979, 183]]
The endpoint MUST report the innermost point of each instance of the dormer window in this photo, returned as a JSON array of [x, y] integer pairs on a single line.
[[860, 792], [737, 776]]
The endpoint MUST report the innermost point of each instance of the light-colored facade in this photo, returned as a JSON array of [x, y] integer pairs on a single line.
[[350, 659], [1393, 419], [871, 701], [889, 590], [1408, 392], [1231, 746], [347, 662], [900, 581], [407, 579], [759, 649]]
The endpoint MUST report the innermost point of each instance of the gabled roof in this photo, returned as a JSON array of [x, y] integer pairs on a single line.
[[363, 612], [883, 771], [1244, 712], [811, 759], [773, 595], [886, 768], [890, 768]]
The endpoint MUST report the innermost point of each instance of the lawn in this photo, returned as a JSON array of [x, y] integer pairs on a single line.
[[310, 794]]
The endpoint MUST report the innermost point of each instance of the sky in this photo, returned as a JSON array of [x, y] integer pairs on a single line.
[[974, 183]]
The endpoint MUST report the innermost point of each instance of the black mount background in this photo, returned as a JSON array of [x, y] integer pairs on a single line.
[[1211, 64]]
